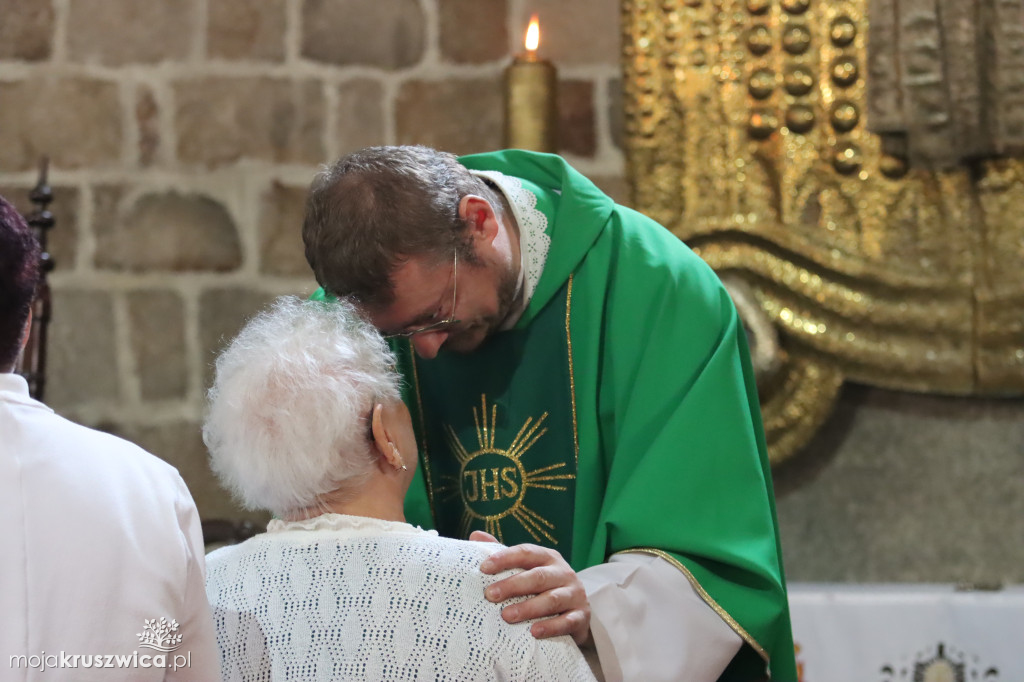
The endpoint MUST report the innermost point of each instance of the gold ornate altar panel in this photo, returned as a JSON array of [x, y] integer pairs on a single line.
[[747, 135]]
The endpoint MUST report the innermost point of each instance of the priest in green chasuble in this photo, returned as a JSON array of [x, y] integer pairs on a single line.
[[582, 393]]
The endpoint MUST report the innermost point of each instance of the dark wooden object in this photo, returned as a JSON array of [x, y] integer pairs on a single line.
[[226, 532], [33, 361]]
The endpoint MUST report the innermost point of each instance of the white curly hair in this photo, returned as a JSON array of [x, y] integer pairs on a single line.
[[287, 417]]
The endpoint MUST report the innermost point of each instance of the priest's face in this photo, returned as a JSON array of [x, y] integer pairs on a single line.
[[455, 304]]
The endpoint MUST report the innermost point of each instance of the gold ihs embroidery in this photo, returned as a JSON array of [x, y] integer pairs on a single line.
[[493, 484]]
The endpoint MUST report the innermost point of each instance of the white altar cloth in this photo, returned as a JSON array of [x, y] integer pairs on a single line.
[[907, 633]]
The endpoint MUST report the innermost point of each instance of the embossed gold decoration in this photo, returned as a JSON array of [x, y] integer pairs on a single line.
[[747, 135]]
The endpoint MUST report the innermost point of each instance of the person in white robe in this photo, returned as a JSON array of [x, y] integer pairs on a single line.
[[305, 420], [101, 571]]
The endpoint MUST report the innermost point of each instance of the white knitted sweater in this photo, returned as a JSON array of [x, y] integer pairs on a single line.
[[351, 598]]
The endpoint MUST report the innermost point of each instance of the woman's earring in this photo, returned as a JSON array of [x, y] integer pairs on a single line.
[[398, 455]]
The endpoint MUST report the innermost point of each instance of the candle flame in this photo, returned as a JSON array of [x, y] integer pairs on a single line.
[[532, 41]]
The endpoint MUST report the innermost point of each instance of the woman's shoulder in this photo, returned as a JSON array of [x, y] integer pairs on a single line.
[[451, 548], [423, 543]]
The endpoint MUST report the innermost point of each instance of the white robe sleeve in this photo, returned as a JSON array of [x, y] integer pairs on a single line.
[[648, 623], [197, 621]]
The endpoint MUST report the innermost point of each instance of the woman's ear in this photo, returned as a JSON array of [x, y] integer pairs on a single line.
[[383, 438]]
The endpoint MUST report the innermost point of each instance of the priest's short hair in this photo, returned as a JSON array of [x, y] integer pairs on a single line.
[[378, 205]]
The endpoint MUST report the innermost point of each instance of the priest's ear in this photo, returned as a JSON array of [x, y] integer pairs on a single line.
[[480, 217]]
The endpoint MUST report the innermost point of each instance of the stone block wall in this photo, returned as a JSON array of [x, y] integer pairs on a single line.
[[902, 487], [183, 134]]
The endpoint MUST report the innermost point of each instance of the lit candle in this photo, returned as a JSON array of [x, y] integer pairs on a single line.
[[530, 89]]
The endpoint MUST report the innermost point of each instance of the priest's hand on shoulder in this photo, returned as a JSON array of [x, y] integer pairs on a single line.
[[559, 595]]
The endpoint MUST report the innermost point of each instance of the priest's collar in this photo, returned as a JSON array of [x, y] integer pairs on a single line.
[[534, 241]]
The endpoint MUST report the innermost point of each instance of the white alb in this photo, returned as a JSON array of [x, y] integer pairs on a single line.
[[348, 598], [99, 537]]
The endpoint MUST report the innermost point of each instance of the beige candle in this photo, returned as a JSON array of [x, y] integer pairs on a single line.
[[530, 98]]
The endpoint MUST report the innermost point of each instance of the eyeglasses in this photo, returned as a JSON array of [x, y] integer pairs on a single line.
[[440, 324]]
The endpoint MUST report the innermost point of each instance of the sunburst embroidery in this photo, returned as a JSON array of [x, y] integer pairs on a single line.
[[494, 484]]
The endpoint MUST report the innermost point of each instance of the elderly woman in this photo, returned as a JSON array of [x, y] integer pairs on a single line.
[[305, 420]]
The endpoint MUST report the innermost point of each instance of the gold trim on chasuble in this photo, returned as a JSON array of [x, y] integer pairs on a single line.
[[572, 376], [424, 450], [722, 613], [504, 479]]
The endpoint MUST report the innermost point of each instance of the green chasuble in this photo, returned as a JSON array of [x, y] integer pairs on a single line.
[[619, 415], [497, 436]]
